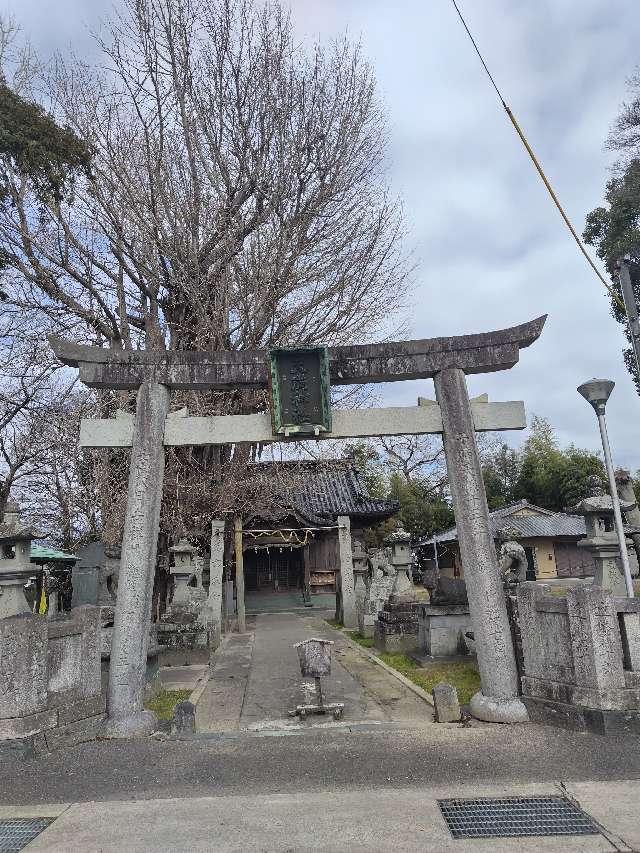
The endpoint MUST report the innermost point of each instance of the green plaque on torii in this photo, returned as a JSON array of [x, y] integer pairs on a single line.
[[300, 390]]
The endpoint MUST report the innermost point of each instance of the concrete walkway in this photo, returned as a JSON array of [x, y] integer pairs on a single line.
[[256, 681], [371, 819]]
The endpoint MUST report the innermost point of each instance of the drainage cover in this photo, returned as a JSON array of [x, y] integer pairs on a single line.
[[514, 816], [17, 832]]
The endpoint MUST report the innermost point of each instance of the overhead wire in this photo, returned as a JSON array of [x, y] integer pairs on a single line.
[[537, 165]]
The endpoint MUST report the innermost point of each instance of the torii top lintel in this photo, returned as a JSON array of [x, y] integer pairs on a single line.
[[349, 365]]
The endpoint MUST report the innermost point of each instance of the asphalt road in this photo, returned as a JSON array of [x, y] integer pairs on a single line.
[[317, 759]]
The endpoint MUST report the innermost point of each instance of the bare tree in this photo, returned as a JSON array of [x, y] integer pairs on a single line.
[[237, 196]]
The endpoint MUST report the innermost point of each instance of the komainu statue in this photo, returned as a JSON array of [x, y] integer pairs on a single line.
[[512, 557]]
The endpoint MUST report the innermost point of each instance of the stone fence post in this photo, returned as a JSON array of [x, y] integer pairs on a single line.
[[350, 617], [213, 612], [595, 638]]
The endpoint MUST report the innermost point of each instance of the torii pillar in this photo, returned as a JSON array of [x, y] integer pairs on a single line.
[[498, 700]]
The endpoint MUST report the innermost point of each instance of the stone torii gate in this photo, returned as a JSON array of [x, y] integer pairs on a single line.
[[154, 374]]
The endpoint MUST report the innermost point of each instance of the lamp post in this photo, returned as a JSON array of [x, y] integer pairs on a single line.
[[597, 392]]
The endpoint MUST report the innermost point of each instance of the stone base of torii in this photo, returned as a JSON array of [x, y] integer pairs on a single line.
[[153, 374]]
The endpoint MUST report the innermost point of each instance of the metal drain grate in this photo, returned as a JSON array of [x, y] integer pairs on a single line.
[[515, 816], [17, 832]]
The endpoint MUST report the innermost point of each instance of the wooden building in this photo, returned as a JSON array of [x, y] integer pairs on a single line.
[[294, 543], [550, 540]]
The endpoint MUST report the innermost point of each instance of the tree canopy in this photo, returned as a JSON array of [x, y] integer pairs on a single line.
[[614, 229], [541, 472], [34, 146]]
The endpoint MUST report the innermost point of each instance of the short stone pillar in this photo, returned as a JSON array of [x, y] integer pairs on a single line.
[[602, 541], [184, 718], [445, 703], [15, 563], [349, 616], [360, 578], [213, 609]]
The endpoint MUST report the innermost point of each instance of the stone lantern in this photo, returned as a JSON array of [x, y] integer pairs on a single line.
[[15, 563], [183, 571], [401, 561], [602, 540]]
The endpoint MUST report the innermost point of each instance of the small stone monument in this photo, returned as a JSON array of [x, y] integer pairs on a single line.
[[15, 562], [396, 628], [184, 719], [601, 540], [445, 703]]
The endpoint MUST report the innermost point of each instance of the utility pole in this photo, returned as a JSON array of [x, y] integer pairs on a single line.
[[631, 309]]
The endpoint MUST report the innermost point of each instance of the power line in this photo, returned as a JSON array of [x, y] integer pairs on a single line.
[[536, 163]]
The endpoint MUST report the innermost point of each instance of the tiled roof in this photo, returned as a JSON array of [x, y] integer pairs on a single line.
[[321, 491], [43, 553], [528, 520]]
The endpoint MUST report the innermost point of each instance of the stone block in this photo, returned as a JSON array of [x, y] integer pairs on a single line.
[[84, 579], [20, 727], [630, 637], [614, 723], [445, 703], [73, 733], [442, 629], [558, 714], [74, 711], [449, 591], [595, 638], [74, 656], [18, 749], [184, 718], [23, 666]]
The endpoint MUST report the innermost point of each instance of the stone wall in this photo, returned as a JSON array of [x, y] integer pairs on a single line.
[[581, 658], [50, 684]]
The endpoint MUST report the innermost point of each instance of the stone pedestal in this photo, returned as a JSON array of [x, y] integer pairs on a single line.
[[442, 629], [396, 628]]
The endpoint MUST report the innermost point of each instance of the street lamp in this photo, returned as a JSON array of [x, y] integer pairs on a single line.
[[597, 392]]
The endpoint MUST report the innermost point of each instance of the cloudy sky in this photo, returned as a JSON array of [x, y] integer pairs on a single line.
[[491, 249]]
